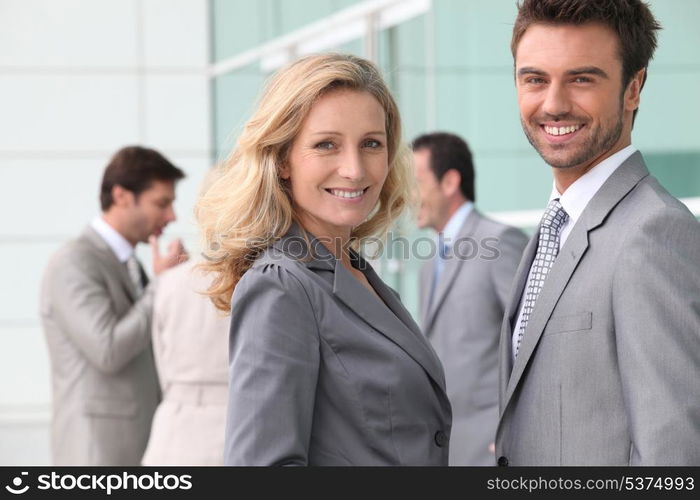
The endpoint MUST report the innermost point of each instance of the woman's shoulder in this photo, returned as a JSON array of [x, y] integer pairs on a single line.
[[275, 269], [275, 287], [276, 259]]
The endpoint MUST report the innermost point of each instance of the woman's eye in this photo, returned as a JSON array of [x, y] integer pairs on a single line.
[[327, 145], [372, 143]]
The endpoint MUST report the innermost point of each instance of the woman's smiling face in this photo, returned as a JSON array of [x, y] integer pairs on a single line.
[[338, 163]]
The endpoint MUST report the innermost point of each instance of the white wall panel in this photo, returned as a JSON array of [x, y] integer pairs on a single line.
[[24, 444], [22, 265], [24, 366], [67, 113], [68, 33], [45, 196], [176, 110], [175, 33]]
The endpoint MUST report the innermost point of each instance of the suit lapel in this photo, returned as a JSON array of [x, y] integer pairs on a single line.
[[450, 271], [390, 318], [567, 260], [118, 269], [510, 316], [427, 276], [620, 183]]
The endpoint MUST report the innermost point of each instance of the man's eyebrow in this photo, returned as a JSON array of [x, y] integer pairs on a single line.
[[588, 70], [585, 70], [528, 70]]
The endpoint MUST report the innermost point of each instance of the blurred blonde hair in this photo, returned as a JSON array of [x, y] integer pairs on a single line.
[[249, 207]]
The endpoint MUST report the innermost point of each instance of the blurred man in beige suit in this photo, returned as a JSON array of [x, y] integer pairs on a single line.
[[96, 311]]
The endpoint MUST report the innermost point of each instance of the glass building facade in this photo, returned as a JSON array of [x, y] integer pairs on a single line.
[[450, 69]]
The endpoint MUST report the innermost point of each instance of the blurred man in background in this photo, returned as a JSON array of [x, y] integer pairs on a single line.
[[96, 305], [464, 290]]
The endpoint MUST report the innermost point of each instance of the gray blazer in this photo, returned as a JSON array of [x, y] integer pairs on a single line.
[[324, 373], [463, 323], [608, 372], [104, 383]]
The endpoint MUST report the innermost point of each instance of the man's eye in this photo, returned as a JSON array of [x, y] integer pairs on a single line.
[[535, 80], [327, 145], [372, 143], [582, 79]]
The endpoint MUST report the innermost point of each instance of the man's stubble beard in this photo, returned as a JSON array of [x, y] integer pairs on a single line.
[[594, 146]]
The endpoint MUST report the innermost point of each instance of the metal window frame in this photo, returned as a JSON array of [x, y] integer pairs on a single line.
[[361, 21]]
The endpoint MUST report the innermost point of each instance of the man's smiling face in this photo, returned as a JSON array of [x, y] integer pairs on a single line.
[[569, 84]]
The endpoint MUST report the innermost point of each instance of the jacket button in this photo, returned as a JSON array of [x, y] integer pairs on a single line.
[[502, 462], [440, 439]]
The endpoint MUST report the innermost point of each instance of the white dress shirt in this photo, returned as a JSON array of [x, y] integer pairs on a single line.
[[119, 245], [574, 200]]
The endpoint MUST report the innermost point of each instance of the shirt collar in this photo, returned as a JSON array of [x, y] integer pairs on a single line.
[[577, 196], [451, 230], [116, 242]]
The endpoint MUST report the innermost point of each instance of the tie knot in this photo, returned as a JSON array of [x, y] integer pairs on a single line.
[[443, 247], [132, 262], [554, 216]]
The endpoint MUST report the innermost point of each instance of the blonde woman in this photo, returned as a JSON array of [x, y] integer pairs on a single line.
[[326, 366]]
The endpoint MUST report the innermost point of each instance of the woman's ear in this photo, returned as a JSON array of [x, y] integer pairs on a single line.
[[284, 170]]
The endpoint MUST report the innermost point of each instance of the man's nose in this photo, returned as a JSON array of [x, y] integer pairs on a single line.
[[556, 101], [170, 215]]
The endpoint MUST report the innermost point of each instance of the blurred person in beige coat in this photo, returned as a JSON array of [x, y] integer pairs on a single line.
[[190, 344]]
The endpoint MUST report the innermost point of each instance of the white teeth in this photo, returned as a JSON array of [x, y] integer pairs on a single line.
[[347, 194], [561, 130]]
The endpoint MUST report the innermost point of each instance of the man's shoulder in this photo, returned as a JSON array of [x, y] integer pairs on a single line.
[[78, 252], [649, 200], [649, 215]]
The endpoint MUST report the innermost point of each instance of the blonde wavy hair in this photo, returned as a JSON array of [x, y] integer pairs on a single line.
[[249, 206]]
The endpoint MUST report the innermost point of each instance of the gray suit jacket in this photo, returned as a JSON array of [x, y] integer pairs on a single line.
[[608, 372], [322, 372], [463, 323], [105, 387]]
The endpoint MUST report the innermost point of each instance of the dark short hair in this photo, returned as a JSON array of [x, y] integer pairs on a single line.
[[135, 168], [631, 20], [448, 151]]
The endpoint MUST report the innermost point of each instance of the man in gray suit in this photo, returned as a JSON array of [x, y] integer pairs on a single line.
[[464, 291], [96, 311], [600, 346]]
